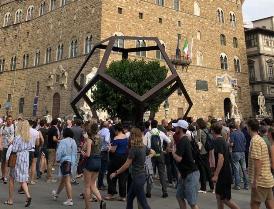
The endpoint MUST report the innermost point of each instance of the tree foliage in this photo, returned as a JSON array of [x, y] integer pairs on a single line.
[[139, 76]]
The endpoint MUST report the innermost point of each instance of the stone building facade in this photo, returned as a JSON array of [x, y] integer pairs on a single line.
[[44, 43], [260, 54]]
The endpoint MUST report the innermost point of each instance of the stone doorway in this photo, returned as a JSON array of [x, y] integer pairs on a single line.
[[56, 105], [227, 108]]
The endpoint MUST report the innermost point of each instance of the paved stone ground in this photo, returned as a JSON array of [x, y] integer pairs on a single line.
[[41, 194]]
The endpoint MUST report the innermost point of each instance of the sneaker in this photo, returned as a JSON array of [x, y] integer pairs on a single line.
[[68, 203], [165, 195], [5, 180], [202, 191], [246, 188], [74, 182], [237, 188], [54, 195], [32, 182]]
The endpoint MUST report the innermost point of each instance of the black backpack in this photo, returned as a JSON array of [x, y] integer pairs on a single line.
[[209, 144], [156, 144]]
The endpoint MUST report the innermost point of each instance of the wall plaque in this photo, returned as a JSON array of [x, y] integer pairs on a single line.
[[201, 85]]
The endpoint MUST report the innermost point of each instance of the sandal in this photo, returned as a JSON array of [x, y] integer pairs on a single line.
[[28, 202], [8, 203]]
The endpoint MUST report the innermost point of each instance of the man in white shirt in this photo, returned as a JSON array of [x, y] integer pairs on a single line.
[[154, 140]]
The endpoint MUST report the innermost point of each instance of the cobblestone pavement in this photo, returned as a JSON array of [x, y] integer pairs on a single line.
[[41, 194]]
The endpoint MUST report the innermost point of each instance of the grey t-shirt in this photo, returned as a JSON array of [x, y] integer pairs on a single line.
[[7, 133], [78, 134], [138, 156]]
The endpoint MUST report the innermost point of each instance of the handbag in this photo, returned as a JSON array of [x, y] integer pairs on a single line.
[[12, 160]]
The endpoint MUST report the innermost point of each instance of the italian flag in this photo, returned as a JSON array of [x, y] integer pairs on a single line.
[[186, 48]]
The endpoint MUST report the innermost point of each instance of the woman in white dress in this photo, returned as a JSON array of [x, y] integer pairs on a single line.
[[21, 146]]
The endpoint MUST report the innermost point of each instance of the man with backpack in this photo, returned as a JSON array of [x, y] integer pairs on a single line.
[[154, 140]]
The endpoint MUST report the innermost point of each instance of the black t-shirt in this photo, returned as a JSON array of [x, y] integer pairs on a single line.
[[51, 133], [138, 156], [221, 147], [44, 133], [184, 150]]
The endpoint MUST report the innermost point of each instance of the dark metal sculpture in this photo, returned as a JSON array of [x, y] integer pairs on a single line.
[[173, 81]]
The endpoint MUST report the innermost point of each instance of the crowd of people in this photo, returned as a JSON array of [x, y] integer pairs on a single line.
[[126, 159]]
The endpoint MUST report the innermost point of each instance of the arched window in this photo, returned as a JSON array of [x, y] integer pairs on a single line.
[[158, 52], [7, 19], [60, 52], [119, 42], [30, 13], [223, 40], [235, 42], [237, 65], [197, 9], [37, 58], [223, 61], [141, 43], [232, 19], [199, 35], [42, 8], [2, 65], [220, 15], [13, 63], [88, 44], [73, 48], [160, 2], [176, 5], [48, 55], [25, 61], [200, 58], [18, 16], [52, 4]]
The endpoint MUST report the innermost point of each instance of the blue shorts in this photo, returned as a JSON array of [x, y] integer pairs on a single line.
[[188, 188]]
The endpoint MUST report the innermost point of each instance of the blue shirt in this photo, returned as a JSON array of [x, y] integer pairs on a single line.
[[121, 146], [239, 141], [67, 151], [104, 135]]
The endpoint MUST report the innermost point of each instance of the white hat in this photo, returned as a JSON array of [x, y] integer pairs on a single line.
[[181, 123]]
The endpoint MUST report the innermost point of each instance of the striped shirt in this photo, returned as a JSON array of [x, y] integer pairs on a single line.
[[259, 151]]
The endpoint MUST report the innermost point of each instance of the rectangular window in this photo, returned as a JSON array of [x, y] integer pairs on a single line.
[[2, 65], [21, 105], [141, 15], [179, 24], [251, 40], [160, 2], [176, 5], [52, 5], [120, 10], [160, 20], [9, 98]]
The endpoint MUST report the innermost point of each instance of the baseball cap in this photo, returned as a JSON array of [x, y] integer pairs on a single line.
[[181, 123]]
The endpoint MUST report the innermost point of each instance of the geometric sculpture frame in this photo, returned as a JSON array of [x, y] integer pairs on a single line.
[[173, 80]]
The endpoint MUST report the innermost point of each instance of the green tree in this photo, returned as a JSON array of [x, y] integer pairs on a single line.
[[139, 76]]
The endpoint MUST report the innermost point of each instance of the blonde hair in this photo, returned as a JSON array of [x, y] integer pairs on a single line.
[[23, 130], [136, 138]]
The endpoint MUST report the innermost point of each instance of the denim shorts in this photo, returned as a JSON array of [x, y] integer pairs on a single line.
[[188, 188]]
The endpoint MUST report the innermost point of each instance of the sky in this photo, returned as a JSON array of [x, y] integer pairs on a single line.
[[256, 9]]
